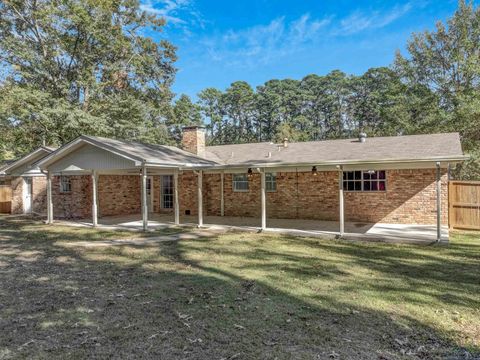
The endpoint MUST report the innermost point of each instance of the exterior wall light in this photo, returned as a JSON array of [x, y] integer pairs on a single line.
[[249, 173], [314, 171]]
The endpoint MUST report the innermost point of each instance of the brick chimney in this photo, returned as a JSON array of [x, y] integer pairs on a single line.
[[193, 140]]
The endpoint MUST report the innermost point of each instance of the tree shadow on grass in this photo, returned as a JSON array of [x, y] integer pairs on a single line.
[[164, 301]]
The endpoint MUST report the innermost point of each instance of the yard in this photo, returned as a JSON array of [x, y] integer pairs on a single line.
[[234, 296]]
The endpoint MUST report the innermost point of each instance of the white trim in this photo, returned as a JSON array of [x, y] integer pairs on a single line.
[[27, 190], [200, 197], [341, 202], [25, 159], [64, 150], [363, 163], [263, 197], [176, 204]]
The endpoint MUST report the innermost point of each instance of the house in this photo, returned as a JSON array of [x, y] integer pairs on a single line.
[[387, 180], [28, 183]]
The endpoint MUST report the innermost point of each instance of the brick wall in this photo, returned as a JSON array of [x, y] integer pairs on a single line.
[[75, 204], [39, 195], [193, 140], [17, 195], [410, 197], [119, 195]]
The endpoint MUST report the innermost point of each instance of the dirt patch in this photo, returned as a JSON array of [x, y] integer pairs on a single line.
[[238, 296]]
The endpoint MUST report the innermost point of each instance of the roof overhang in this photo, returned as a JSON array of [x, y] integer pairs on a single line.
[[79, 142], [24, 160], [388, 163]]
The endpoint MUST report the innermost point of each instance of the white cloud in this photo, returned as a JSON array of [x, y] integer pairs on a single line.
[[176, 12], [360, 21], [263, 43]]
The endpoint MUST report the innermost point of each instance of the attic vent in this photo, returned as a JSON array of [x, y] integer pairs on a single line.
[[362, 137]]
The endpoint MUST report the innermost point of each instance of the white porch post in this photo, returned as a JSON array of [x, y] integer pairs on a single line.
[[175, 194], [200, 198], [94, 199], [264, 200], [439, 203], [49, 199], [144, 198], [341, 202], [222, 201]]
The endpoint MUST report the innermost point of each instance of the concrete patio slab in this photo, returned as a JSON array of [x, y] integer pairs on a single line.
[[421, 234]]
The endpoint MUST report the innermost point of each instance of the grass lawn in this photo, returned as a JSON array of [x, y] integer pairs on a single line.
[[235, 296]]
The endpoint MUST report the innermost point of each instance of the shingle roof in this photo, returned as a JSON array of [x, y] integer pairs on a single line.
[[30, 158], [152, 153], [375, 149]]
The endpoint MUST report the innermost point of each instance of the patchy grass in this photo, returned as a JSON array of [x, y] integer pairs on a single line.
[[235, 296]]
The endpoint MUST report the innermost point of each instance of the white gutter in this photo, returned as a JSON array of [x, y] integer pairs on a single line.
[[451, 159]]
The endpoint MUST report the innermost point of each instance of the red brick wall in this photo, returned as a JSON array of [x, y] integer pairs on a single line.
[[187, 192], [39, 195], [17, 195], [119, 195], [410, 197], [75, 204]]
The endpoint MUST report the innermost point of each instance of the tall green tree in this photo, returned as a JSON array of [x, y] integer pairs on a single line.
[[184, 113], [82, 66], [447, 61], [211, 107]]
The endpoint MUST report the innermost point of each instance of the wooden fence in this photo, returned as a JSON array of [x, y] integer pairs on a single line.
[[5, 199], [464, 205]]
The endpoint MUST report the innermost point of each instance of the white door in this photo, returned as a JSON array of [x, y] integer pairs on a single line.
[[27, 195]]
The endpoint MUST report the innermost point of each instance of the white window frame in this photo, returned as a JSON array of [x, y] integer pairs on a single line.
[[365, 179], [271, 182], [238, 179], [65, 184], [167, 192]]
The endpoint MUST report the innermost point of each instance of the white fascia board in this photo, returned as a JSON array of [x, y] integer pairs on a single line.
[[22, 160], [63, 151], [333, 163]]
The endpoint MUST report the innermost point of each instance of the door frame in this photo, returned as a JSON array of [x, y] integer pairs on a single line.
[[152, 192], [161, 205], [27, 187]]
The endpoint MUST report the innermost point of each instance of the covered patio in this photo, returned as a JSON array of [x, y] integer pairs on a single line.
[[421, 234], [313, 198]]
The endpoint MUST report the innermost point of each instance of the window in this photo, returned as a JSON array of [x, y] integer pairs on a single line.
[[65, 184], [372, 180], [240, 182], [167, 191], [271, 181]]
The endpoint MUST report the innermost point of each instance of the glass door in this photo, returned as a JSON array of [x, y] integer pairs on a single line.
[[167, 192]]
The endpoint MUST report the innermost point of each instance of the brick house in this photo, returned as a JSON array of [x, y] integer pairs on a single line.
[[391, 180], [28, 183]]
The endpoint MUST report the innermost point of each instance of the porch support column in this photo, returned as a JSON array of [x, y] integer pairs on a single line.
[[175, 194], [49, 198], [264, 199], [222, 200], [439, 203], [144, 198], [94, 198], [341, 202], [200, 197]]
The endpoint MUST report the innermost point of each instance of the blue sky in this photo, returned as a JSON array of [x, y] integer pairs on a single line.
[[256, 40]]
